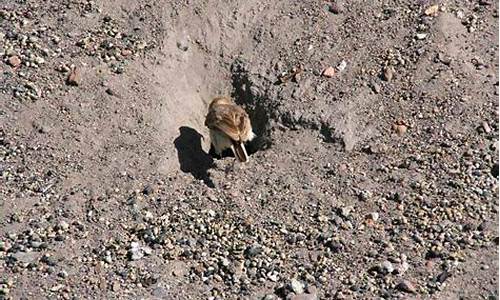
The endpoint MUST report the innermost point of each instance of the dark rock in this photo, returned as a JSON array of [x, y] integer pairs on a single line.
[[494, 170], [406, 287], [252, 251]]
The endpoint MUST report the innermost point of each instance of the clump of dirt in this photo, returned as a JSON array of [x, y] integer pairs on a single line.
[[374, 172]]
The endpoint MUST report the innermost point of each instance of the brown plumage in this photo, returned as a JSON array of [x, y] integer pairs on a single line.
[[229, 126]]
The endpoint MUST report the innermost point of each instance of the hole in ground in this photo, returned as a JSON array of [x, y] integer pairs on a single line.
[[252, 99]]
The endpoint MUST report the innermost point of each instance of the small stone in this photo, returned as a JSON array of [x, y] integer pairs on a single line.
[[403, 267], [183, 45], [328, 72], [443, 276], [253, 251], [432, 10], [63, 225], [486, 127], [387, 267], [4, 246], [400, 129], [297, 286], [485, 2], [74, 77], [494, 170], [36, 244], [373, 216], [335, 8], [39, 60], [341, 67], [147, 250], [421, 36], [126, 52], [135, 251], [179, 269], [375, 87], [116, 286], [148, 190], [273, 277], [406, 286], [136, 254], [25, 257], [56, 288], [14, 61], [62, 274], [346, 211], [108, 259], [4, 291], [388, 73]]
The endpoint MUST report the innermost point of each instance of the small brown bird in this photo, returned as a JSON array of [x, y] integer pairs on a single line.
[[229, 126]]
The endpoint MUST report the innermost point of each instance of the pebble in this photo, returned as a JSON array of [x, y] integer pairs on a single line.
[[253, 251], [444, 59], [373, 216], [421, 36], [388, 73], [297, 286], [25, 257], [400, 129], [74, 77], [4, 246], [136, 252], [432, 10], [328, 72], [4, 291], [63, 225], [486, 127], [443, 276], [62, 274], [108, 259], [346, 211], [375, 87], [494, 170], [403, 267], [335, 8], [14, 61], [341, 67], [57, 288], [183, 45], [148, 190], [126, 52], [485, 2], [406, 286], [39, 60], [387, 267], [273, 277]]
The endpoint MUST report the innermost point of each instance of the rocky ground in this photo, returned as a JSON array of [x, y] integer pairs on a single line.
[[375, 173]]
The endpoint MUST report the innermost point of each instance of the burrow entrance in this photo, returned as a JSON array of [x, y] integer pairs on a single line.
[[253, 100]]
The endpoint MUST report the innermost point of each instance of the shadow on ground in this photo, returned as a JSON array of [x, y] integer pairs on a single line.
[[192, 158]]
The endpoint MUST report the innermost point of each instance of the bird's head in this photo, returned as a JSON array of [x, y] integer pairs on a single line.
[[220, 100]]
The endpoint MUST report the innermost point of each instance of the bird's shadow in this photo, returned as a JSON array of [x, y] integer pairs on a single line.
[[192, 158]]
